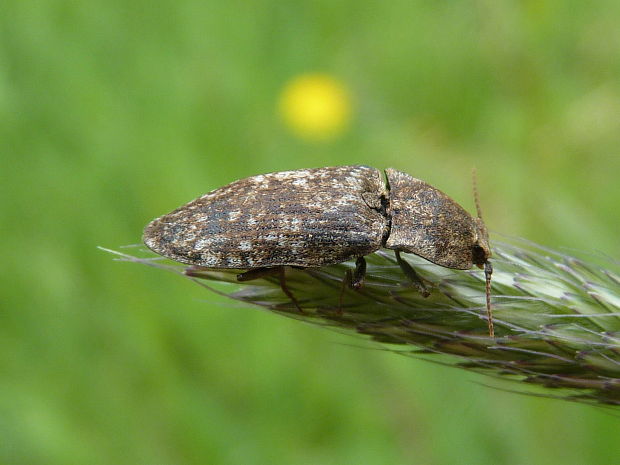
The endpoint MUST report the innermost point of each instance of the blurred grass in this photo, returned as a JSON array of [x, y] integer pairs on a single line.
[[112, 113]]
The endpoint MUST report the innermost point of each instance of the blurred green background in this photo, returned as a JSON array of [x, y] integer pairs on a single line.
[[114, 112]]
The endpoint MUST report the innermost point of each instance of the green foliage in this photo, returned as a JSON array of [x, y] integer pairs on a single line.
[[113, 112]]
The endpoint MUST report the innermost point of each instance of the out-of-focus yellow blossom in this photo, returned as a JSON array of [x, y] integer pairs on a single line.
[[315, 106]]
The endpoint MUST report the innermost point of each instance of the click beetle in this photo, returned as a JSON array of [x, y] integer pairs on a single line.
[[323, 216]]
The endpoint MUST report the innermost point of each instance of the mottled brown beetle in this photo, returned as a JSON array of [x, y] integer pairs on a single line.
[[315, 217]]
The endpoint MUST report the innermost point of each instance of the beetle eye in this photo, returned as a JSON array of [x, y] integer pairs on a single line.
[[479, 256]]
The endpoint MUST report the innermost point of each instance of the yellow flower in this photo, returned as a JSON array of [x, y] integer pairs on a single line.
[[315, 106]]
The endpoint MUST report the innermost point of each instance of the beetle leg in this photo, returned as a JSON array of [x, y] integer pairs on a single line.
[[359, 274], [286, 290], [414, 277], [353, 280], [258, 273]]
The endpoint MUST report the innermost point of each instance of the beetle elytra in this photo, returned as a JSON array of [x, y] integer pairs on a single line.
[[322, 216]]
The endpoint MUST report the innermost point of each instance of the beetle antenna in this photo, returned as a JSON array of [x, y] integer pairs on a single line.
[[488, 271], [474, 180]]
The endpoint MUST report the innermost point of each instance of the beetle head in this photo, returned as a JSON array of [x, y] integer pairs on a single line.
[[428, 223], [481, 251]]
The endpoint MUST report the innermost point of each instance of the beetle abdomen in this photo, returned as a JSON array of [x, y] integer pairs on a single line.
[[306, 218]]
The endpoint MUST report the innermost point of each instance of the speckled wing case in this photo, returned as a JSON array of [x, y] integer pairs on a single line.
[[305, 218]]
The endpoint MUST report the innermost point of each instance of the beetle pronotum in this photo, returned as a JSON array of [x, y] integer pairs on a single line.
[[323, 216]]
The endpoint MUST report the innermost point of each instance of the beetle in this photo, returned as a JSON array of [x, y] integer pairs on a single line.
[[309, 218]]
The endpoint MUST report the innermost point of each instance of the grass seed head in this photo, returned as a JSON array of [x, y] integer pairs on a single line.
[[557, 317]]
